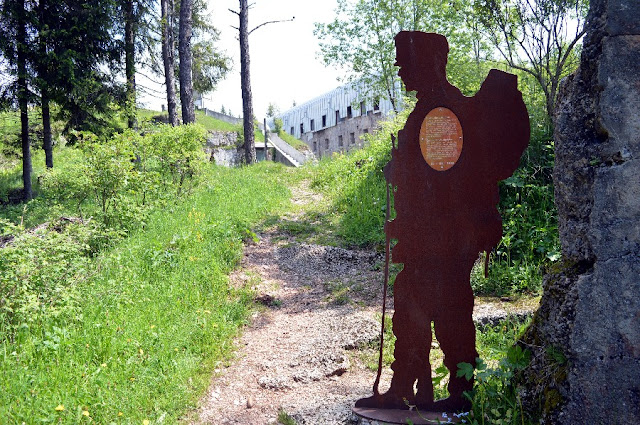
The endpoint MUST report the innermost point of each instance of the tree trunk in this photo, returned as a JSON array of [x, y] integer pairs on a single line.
[[44, 91], [247, 101], [166, 10], [22, 101], [130, 64], [46, 129], [184, 50]]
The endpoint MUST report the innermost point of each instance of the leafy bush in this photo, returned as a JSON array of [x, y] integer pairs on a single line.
[[38, 271], [494, 398], [124, 176]]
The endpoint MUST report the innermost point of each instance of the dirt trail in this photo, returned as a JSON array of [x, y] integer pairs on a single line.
[[297, 355], [302, 355]]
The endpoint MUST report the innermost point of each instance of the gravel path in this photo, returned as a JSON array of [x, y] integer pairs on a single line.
[[300, 354]]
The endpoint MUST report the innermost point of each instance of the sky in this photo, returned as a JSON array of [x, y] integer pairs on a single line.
[[285, 66]]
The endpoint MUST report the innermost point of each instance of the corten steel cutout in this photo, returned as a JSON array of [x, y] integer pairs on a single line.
[[444, 174]]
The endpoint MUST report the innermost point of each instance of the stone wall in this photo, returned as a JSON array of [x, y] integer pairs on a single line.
[[222, 148], [585, 337], [342, 137]]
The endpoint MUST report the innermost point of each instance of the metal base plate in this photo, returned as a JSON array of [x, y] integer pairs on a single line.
[[398, 416]]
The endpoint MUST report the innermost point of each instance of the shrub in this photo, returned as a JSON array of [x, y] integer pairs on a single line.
[[37, 269]]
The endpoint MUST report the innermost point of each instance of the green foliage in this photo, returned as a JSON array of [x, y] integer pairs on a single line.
[[297, 144], [494, 398], [38, 271], [539, 38], [356, 184], [210, 66], [130, 333], [129, 173], [361, 40], [284, 418], [277, 124]]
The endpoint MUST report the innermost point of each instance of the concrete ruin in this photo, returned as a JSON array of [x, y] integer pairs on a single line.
[[337, 120]]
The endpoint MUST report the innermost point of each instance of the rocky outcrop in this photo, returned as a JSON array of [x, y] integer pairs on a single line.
[[222, 148], [585, 337]]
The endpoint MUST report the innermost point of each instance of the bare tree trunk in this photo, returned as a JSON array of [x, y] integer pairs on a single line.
[[247, 100], [22, 100], [47, 145], [44, 92], [184, 50], [166, 10], [130, 64]]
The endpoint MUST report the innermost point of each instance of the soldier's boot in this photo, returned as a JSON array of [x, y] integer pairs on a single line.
[[399, 396], [424, 394]]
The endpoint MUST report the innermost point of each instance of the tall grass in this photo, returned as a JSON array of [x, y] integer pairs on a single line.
[[152, 317]]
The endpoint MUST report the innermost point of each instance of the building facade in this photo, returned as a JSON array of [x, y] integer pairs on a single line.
[[335, 121]]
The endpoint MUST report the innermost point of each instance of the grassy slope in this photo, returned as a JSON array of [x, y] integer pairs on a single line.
[[206, 121], [296, 143], [157, 315]]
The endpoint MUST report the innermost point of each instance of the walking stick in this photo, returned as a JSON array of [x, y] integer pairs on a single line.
[[387, 253]]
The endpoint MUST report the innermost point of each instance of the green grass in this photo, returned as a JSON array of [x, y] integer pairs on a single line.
[[11, 179], [284, 418], [9, 126], [155, 315], [213, 124], [209, 123], [297, 144]]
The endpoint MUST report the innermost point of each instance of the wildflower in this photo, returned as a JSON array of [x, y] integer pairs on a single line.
[[120, 413], [59, 408], [145, 422], [141, 351], [103, 365], [85, 413], [152, 326]]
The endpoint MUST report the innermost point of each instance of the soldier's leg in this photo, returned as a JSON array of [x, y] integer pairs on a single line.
[[412, 328], [456, 333]]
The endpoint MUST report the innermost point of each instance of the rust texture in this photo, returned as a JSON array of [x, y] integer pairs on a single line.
[[444, 172]]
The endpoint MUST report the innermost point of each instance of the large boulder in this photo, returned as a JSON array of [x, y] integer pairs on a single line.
[[585, 337]]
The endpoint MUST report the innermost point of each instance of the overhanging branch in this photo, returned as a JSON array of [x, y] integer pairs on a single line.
[[272, 22]]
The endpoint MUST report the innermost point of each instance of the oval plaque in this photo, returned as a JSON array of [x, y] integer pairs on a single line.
[[441, 138]]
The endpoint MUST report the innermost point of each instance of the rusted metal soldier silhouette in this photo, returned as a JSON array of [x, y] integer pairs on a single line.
[[445, 170]]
